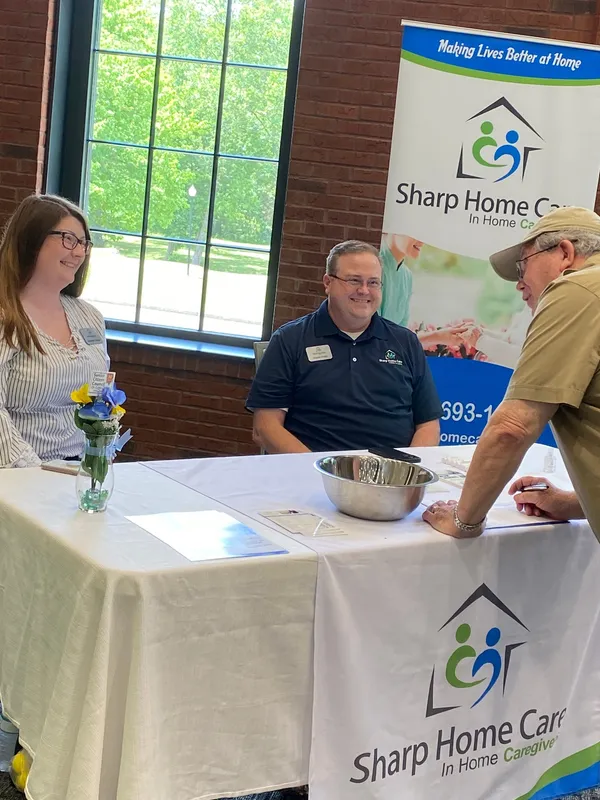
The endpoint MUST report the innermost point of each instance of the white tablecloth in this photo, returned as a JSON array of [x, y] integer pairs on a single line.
[[384, 590], [135, 674], [260, 483]]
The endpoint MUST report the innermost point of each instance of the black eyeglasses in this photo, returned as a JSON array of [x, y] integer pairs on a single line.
[[70, 241], [356, 283], [522, 262]]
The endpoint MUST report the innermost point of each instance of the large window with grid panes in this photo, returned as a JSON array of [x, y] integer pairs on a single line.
[[181, 168]]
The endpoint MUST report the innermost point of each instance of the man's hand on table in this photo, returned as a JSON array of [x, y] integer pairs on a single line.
[[440, 516], [552, 503]]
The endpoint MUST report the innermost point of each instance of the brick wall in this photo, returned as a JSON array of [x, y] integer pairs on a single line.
[[183, 405], [26, 28]]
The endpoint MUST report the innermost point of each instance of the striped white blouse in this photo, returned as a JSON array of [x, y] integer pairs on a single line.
[[36, 411]]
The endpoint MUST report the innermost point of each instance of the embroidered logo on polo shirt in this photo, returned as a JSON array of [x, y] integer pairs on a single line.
[[391, 358]]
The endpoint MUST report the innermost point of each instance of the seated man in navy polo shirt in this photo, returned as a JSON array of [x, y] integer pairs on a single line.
[[344, 378]]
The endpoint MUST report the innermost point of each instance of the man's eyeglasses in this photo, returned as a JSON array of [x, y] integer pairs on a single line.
[[522, 262], [356, 283], [70, 241]]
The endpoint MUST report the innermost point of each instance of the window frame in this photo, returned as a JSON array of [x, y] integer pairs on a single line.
[[71, 96]]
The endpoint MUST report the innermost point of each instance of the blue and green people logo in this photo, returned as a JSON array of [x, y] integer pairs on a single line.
[[475, 666], [490, 656], [498, 144], [500, 153]]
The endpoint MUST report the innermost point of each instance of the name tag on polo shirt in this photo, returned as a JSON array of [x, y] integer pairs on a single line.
[[320, 352], [91, 336]]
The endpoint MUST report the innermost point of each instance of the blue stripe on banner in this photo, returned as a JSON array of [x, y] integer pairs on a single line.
[[570, 784], [502, 56]]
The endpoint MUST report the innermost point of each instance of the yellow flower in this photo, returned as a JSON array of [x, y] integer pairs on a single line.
[[19, 769], [118, 411], [82, 395]]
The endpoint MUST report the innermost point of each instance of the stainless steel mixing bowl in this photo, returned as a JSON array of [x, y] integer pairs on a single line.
[[374, 488]]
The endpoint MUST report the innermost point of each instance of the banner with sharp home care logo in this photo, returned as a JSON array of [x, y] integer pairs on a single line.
[[452, 670], [491, 132]]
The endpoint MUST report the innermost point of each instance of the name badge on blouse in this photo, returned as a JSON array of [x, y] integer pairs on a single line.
[[320, 352], [91, 336]]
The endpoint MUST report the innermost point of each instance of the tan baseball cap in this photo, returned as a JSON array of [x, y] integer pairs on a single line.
[[505, 261]]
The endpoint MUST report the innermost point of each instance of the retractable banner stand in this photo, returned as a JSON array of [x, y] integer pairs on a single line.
[[491, 132]]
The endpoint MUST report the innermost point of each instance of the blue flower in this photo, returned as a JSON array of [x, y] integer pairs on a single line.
[[113, 397], [96, 410]]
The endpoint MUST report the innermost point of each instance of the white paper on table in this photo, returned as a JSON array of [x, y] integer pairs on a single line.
[[504, 516], [206, 535], [302, 522], [460, 464], [453, 477], [441, 494]]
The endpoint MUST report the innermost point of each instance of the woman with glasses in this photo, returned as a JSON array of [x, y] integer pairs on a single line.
[[51, 342]]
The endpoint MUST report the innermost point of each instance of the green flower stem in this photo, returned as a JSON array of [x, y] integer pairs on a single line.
[[97, 462], [100, 435]]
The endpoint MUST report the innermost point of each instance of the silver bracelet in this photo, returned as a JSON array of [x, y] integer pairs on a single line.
[[462, 526]]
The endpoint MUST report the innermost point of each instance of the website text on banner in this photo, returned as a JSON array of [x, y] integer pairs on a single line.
[[490, 133]]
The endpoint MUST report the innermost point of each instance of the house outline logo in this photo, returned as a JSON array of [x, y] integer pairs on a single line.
[[491, 656], [497, 151], [391, 358]]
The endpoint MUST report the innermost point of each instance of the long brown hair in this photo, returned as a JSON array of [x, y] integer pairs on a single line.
[[22, 240]]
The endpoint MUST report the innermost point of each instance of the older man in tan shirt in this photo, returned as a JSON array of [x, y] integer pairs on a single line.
[[557, 379]]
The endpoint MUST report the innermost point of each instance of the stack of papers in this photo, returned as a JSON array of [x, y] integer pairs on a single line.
[[206, 535], [304, 523]]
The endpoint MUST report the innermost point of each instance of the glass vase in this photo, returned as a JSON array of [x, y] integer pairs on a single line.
[[95, 479]]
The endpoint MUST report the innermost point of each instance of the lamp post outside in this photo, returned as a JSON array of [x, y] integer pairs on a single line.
[[192, 192]]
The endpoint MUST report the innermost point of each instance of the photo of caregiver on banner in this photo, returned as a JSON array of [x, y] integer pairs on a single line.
[[490, 133]]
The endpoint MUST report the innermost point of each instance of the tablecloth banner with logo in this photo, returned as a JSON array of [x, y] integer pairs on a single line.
[[490, 133], [467, 670]]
